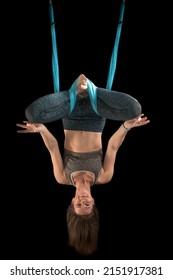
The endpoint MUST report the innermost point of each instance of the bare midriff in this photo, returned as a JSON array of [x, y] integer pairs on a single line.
[[82, 141]]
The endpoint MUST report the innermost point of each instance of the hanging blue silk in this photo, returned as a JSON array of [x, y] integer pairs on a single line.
[[91, 86], [92, 95], [113, 62], [55, 67], [72, 93]]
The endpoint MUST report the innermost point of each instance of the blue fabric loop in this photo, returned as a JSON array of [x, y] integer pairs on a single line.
[[92, 95], [72, 93]]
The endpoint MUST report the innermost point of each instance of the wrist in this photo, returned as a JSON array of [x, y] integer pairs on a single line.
[[42, 129], [125, 128]]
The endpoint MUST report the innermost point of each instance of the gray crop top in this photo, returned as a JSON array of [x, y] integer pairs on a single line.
[[91, 161]]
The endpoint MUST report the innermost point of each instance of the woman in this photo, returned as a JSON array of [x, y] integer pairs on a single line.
[[82, 164]]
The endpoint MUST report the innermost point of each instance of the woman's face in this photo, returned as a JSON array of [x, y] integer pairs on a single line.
[[83, 204]]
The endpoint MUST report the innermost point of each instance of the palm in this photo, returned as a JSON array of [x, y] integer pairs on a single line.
[[29, 127], [139, 121]]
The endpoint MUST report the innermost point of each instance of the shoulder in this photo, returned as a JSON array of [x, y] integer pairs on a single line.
[[63, 179], [104, 177]]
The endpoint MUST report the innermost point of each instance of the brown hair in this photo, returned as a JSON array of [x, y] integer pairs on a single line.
[[83, 230]]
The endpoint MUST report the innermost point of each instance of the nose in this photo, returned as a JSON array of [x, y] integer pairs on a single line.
[[83, 198]]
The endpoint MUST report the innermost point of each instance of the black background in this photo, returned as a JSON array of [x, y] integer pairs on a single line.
[[135, 207]]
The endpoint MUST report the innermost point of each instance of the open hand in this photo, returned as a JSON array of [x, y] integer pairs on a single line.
[[136, 122], [29, 127]]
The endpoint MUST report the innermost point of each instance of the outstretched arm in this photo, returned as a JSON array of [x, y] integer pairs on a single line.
[[115, 142], [52, 146]]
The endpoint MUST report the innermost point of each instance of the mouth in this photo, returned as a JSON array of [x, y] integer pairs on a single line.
[[83, 195]]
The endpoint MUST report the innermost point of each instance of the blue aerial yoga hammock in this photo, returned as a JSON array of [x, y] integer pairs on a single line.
[[113, 62], [55, 68], [91, 86]]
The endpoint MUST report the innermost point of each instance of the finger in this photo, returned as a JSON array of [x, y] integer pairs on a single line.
[[140, 117], [27, 122], [21, 125], [23, 131], [144, 122], [26, 131], [144, 119]]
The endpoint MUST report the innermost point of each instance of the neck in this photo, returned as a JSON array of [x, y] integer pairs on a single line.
[[83, 189]]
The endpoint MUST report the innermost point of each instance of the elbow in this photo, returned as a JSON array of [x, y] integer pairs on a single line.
[[114, 148], [112, 145], [52, 147]]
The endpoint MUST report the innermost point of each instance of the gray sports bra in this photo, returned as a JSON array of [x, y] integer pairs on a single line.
[[74, 161]]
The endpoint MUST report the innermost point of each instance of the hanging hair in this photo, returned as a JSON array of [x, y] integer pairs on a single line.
[[83, 230]]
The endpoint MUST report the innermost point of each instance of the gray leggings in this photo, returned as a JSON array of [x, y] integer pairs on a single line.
[[111, 105]]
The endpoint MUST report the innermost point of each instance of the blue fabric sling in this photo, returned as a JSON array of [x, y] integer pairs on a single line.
[[55, 67], [91, 86]]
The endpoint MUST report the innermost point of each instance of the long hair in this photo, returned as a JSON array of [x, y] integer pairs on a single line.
[[83, 230]]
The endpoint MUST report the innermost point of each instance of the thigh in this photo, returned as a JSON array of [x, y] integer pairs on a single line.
[[117, 105], [49, 108]]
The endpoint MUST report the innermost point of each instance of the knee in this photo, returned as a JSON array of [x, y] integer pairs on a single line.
[[136, 108], [32, 113]]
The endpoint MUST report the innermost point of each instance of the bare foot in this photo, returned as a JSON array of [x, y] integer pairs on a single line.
[[82, 84]]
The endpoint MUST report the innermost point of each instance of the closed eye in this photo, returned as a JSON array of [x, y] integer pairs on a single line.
[[79, 205]]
